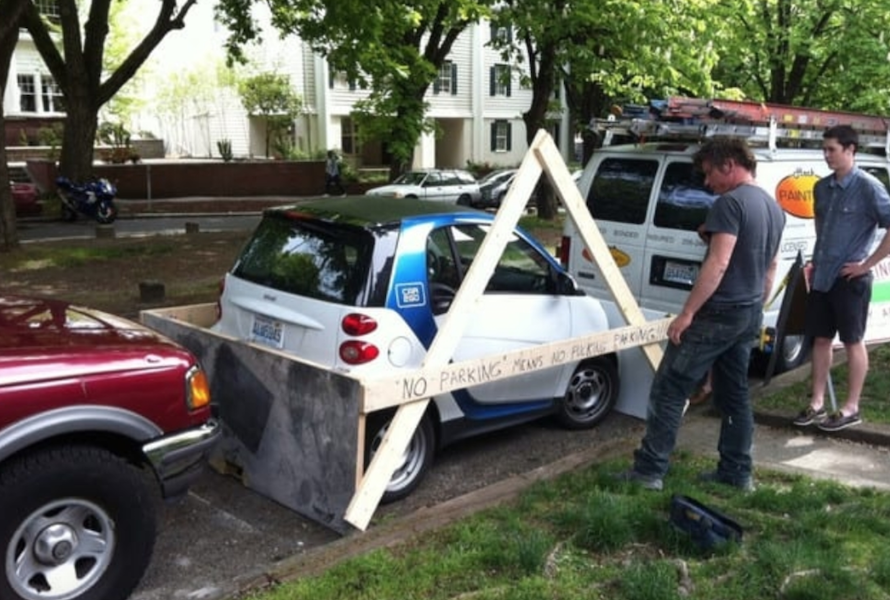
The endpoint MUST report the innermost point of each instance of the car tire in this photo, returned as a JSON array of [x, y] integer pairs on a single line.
[[416, 462], [464, 200], [78, 523], [590, 395]]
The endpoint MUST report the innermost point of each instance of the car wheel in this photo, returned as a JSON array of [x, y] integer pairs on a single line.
[[78, 523], [417, 460], [68, 214], [464, 200], [590, 395]]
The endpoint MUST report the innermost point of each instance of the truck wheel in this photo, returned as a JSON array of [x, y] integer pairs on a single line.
[[79, 523], [417, 460], [591, 394]]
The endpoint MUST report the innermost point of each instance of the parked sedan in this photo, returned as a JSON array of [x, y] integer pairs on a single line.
[[99, 416], [493, 187], [441, 185], [25, 199], [363, 287]]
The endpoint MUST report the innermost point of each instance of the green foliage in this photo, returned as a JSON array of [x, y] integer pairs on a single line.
[[272, 96], [52, 137], [392, 49], [830, 55], [224, 146]]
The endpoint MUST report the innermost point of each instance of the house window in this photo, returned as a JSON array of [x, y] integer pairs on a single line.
[[53, 101], [349, 143], [27, 94], [500, 84], [48, 8], [446, 82], [339, 80], [501, 136], [501, 34]]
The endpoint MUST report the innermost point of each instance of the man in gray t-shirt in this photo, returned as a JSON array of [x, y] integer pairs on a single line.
[[719, 321]]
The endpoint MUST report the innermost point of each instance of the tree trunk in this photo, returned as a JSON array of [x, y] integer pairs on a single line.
[[9, 36], [535, 118], [81, 120]]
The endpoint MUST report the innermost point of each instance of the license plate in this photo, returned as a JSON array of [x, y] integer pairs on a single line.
[[683, 273], [267, 331]]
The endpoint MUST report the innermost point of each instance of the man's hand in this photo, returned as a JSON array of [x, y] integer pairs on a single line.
[[852, 270], [678, 326]]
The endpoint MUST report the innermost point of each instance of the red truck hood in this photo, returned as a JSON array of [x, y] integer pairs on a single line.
[[52, 339]]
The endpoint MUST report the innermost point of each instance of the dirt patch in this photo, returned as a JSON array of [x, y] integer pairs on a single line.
[[107, 273]]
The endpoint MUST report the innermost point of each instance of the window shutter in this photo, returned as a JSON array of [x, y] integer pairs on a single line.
[[330, 78], [510, 34], [351, 85], [509, 82], [493, 134], [494, 31], [509, 136], [493, 79], [436, 85], [453, 79]]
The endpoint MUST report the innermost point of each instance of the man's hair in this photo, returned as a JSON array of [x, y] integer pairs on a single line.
[[845, 135], [719, 151]]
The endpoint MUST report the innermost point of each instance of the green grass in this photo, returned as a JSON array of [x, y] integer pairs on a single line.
[[875, 401], [586, 535]]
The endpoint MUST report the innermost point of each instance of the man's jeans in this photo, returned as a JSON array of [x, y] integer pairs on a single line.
[[721, 337]]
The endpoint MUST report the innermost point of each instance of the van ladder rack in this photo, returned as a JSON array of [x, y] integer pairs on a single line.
[[695, 119]]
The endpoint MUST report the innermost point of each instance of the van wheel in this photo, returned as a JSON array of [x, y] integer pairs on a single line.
[[590, 395], [416, 461]]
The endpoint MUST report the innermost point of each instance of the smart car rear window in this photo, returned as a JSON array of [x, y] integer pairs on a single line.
[[307, 258], [621, 189]]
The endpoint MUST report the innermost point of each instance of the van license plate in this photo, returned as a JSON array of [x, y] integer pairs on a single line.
[[684, 273], [267, 331]]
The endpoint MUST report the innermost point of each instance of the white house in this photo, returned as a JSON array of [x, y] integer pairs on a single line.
[[477, 113]]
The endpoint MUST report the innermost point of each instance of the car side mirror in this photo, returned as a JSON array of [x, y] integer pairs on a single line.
[[566, 285]]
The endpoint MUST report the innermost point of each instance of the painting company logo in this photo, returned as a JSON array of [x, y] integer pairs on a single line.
[[795, 193], [622, 259]]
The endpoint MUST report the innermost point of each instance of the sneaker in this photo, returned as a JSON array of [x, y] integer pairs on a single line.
[[839, 421], [745, 484], [649, 482], [809, 415]]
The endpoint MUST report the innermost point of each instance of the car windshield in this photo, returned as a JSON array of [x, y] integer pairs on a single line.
[[307, 258], [496, 176], [410, 178]]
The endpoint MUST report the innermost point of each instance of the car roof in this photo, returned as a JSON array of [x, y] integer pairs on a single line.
[[367, 210]]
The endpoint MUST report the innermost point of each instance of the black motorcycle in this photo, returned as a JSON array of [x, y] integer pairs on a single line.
[[94, 199]]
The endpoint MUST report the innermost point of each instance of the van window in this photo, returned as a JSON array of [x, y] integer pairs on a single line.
[[621, 190], [683, 200], [880, 173]]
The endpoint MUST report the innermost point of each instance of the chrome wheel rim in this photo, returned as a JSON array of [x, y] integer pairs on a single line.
[[60, 550]]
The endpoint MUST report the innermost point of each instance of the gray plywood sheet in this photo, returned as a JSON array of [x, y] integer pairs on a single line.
[[290, 428]]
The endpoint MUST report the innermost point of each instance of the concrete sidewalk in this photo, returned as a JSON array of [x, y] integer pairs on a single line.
[[856, 456]]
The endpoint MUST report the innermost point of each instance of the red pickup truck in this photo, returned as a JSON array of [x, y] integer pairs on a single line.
[[100, 418]]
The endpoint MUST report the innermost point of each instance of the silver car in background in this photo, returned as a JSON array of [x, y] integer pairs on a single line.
[[438, 185]]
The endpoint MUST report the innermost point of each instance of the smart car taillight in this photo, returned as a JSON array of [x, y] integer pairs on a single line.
[[358, 324], [356, 352], [564, 247]]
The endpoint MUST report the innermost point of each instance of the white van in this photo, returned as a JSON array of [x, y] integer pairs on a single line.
[[647, 201]]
